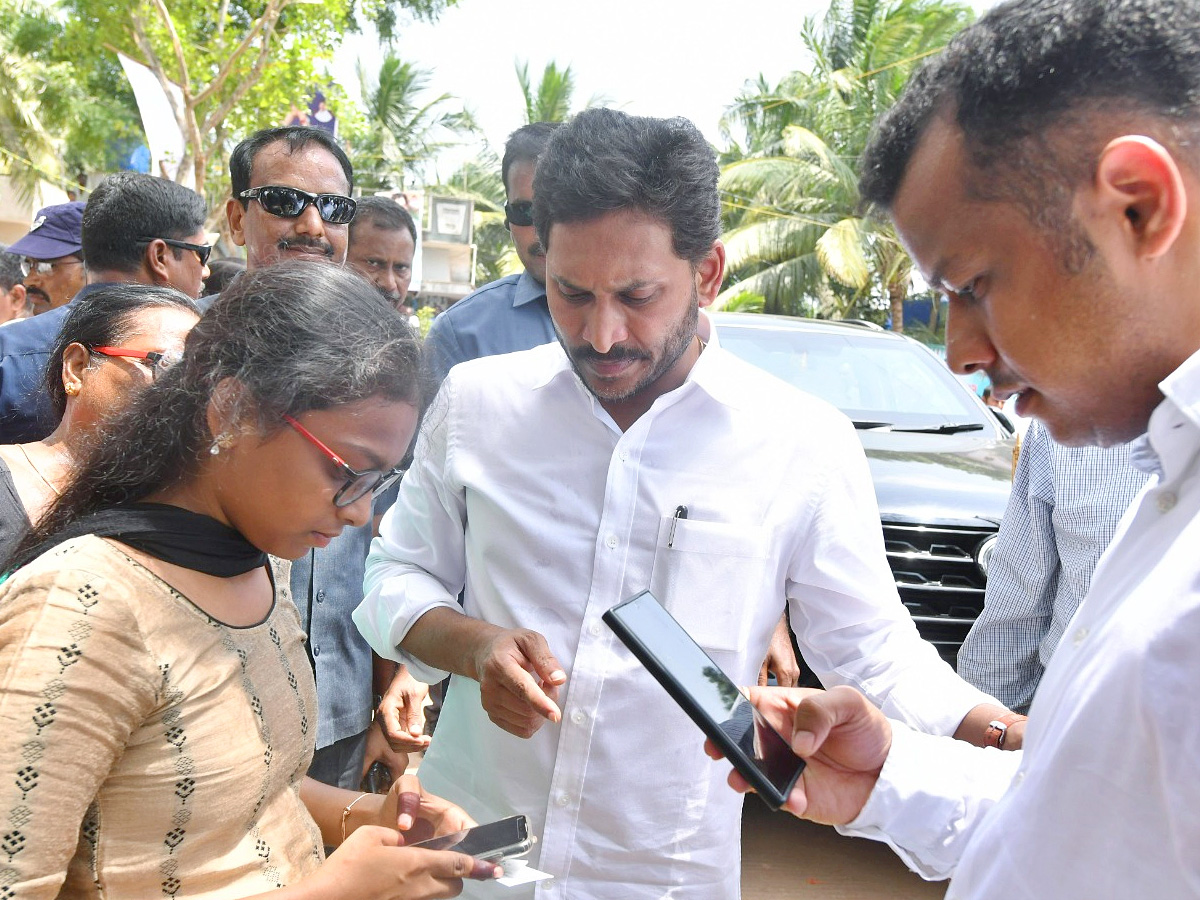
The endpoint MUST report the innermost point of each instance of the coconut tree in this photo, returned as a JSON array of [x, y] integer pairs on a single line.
[[789, 178], [551, 100], [30, 153], [406, 127]]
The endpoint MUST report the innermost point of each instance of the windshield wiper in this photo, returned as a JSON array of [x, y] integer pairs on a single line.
[[948, 428], [867, 424]]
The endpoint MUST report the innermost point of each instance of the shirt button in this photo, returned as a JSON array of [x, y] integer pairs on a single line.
[[579, 717], [1080, 636], [1019, 777], [316, 651], [1166, 501], [564, 799], [594, 628], [624, 454], [321, 596], [611, 540]]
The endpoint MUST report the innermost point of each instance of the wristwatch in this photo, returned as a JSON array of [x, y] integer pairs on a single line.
[[997, 729]]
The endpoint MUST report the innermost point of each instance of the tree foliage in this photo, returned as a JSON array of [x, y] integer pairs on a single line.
[[789, 172], [404, 128]]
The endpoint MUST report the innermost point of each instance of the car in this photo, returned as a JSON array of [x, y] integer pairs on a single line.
[[940, 461]]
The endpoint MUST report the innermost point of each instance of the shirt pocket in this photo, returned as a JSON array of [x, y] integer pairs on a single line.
[[711, 576]]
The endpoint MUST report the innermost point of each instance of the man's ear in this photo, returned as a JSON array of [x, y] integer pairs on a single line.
[[19, 300], [235, 214], [1137, 178], [710, 272], [155, 261]]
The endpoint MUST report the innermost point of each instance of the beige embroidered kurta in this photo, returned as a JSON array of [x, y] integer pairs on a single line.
[[146, 749]]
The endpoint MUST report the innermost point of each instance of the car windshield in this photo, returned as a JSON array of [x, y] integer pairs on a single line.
[[876, 382]]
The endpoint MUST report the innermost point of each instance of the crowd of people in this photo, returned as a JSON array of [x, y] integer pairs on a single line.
[[248, 516]]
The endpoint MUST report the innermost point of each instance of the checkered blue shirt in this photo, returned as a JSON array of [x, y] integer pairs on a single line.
[[1062, 514]]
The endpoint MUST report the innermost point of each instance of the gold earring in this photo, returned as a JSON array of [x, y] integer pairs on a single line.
[[71, 389], [223, 441]]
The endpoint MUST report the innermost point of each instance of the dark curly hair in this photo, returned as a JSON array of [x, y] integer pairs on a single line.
[[604, 160]]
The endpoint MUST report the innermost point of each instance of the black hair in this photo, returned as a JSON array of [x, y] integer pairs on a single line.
[[297, 137], [293, 337], [127, 207], [385, 213], [604, 160], [105, 318], [10, 269], [525, 145], [1024, 85], [222, 271]]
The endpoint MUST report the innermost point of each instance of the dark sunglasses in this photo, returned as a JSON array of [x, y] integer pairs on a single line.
[[288, 203], [358, 484], [157, 361], [519, 212], [204, 251]]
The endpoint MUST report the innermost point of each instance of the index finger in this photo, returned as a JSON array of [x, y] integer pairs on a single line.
[[521, 683]]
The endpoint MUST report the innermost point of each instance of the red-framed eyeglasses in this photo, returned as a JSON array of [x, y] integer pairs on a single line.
[[157, 361], [358, 484]]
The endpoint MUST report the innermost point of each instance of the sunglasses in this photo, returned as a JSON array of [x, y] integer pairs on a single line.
[[201, 250], [29, 266], [519, 212], [288, 203], [358, 484], [157, 361]]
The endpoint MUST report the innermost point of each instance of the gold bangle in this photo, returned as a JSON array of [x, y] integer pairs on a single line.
[[346, 814]]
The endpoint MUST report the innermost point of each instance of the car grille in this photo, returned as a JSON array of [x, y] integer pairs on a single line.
[[938, 579]]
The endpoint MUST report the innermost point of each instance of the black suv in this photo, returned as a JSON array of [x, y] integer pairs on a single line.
[[941, 462]]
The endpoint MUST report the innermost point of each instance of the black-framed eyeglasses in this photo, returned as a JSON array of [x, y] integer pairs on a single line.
[[289, 202], [519, 212], [201, 250], [44, 267], [358, 484], [157, 361]]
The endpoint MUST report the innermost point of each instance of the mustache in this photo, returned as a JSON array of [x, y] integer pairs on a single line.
[[588, 353], [315, 243]]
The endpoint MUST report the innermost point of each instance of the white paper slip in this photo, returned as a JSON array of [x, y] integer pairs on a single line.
[[517, 871]]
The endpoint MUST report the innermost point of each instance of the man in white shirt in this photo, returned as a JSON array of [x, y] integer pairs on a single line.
[[554, 483], [1044, 174]]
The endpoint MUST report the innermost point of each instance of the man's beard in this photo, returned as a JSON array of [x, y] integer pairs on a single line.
[[673, 348]]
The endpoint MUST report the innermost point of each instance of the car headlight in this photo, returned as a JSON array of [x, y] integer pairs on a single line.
[[983, 553]]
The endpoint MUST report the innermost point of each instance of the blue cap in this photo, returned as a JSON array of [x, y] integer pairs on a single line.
[[56, 231]]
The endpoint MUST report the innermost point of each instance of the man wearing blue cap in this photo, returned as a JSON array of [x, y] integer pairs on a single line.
[[53, 252]]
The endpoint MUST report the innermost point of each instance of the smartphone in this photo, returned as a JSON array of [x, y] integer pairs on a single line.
[[493, 842], [726, 716]]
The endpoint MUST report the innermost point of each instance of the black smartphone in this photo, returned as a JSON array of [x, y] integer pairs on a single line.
[[762, 756], [493, 842]]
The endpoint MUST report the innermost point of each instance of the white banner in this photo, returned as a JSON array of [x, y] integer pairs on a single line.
[[158, 121]]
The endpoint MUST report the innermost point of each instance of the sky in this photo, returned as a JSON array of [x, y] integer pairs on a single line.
[[647, 57]]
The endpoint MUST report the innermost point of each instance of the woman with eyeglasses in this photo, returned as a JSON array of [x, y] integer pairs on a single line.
[[159, 706], [111, 346]]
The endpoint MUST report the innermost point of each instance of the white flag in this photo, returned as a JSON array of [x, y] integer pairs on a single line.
[[158, 121]]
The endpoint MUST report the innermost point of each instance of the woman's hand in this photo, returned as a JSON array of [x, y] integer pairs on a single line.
[[373, 864], [419, 815]]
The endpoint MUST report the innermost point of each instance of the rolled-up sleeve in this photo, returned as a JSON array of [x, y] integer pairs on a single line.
[[931, 796], [417, 562]]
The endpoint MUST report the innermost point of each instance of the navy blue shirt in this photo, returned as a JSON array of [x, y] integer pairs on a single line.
[[503, 316], [25, 346]]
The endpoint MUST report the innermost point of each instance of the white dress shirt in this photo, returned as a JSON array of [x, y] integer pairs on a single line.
[[524, 490], [1062, 514], [1104, 802]]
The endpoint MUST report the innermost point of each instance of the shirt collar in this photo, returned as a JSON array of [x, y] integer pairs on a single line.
[[528, 289], [1174, 431]]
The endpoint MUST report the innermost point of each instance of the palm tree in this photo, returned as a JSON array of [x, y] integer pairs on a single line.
[[30, 151], [794, 231], [551, 102], [405, 129]]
